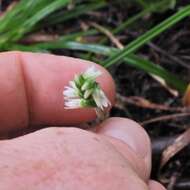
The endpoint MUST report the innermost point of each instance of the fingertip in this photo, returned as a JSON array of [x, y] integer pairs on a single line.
[[133, 135], [46, 77], [128, 131]]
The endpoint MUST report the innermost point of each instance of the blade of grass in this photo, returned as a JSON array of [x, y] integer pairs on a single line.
[[79, 10], [157, 70], [6, 18], [44, 12], [22, 11], [130, 59], [121, 27], [40, 10], [127, 23], [77, 36], [134, 19], [151, 8], [142, 3], [166, 4], [72, 45], [131, 21], [140, 41]]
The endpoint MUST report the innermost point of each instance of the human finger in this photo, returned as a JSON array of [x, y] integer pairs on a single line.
[[131, 140], [31, 86]]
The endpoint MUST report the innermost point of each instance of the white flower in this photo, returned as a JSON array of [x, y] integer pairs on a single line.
[[72, 103], [84, 91], [100, 99], [69, 92], [92, 73]]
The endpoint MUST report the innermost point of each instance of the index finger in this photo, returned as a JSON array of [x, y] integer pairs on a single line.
[[31, 86]]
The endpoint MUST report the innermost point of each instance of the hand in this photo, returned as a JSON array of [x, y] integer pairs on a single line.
[[116, 156]]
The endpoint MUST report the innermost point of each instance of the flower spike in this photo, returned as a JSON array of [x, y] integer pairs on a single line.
[[84, 92]]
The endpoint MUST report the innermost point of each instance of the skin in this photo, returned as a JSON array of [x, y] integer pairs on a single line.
[[116, 156]]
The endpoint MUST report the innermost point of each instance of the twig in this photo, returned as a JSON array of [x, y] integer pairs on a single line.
[[35, 38], [144, 103], [11, 6], [165, 118], [173, 180], [105, 31], [182, 185], [178, 35], [187, 57], [180, 142], [171, 57]]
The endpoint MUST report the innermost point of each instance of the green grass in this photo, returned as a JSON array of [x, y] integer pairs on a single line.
[[23, 17], [30, 16], [80, 9]]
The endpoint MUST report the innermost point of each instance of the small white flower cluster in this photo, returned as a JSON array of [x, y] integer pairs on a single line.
[[84, 91]]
